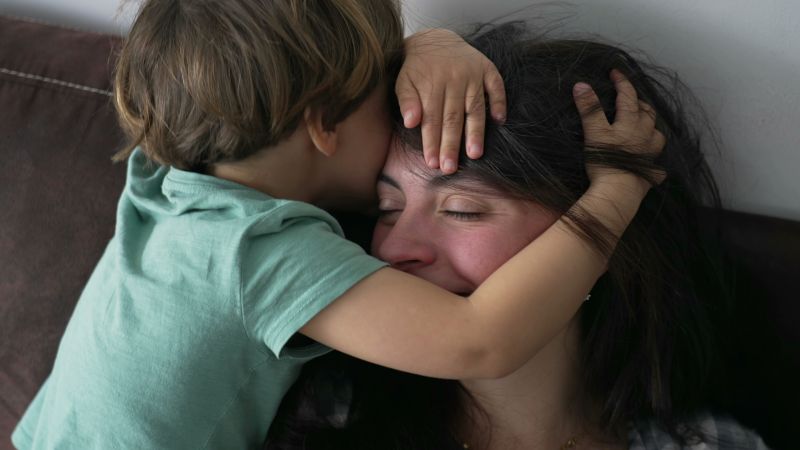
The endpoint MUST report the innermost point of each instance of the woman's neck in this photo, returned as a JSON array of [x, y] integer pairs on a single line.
[[535, 407]]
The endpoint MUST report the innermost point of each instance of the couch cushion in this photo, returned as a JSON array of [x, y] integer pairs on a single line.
[[58, 192]]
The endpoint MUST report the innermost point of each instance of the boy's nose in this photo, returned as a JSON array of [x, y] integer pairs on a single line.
[[407, 248]]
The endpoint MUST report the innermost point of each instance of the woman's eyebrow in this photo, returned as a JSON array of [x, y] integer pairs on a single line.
[[383, 178], [453, 181], [465, 184]]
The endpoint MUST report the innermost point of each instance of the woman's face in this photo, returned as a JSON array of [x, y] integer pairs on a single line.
[[452, 235]]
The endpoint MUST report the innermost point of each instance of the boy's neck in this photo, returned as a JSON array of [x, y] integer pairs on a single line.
[[288, 170]]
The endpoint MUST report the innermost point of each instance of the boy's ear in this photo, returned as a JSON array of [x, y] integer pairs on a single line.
[[324, 140]]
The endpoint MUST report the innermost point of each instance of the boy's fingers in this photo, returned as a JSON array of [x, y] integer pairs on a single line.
[[452, 130], [627, 103], [432, 126], [475, 123], [409, 100], [592, 116], [496, 91], [657, 142], [648, 111]]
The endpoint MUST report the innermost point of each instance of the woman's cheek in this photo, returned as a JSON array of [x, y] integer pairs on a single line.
[[478, 254], [378, 236]]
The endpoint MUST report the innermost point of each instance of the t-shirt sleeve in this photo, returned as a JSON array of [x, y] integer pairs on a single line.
[[290, 276]]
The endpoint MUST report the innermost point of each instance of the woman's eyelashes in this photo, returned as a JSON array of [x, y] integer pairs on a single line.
[[388, 210], [463, 215], [390, 214], [460, 208]]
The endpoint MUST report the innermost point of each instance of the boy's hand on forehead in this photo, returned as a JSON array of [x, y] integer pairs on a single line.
[[442, 80]]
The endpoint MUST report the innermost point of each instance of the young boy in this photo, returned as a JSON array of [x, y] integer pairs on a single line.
[[259, 113]]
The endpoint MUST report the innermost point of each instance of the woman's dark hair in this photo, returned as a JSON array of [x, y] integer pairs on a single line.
[[645, 337]]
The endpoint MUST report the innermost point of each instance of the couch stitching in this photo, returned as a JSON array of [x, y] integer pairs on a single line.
[[31, 76]]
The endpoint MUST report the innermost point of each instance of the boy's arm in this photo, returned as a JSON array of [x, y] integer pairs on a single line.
[[443, 79], [400, 321]]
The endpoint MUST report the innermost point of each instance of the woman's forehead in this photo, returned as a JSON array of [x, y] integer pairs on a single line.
[[431, 180], [405, 164], [464, 184]]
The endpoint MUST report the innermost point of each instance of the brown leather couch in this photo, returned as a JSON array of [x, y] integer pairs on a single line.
[[58, 192]]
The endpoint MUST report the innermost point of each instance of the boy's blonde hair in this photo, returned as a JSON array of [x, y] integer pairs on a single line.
[[204, 81]]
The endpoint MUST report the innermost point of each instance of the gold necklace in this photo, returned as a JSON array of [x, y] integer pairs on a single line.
[[571, 443]]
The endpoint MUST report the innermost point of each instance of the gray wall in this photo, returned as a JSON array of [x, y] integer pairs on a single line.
[[94, 15], [741, 58]]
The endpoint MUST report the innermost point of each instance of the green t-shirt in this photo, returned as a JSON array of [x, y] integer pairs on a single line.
[[179, 338]]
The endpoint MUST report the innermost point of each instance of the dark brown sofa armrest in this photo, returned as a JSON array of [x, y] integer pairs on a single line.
[[58, 192], [759, 335]]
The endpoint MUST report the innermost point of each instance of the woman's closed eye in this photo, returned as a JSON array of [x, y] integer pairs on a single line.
[[389, 216], [463, 215], [463, 208], [389, 210]]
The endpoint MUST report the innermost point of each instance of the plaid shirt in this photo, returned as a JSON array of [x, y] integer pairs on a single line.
[[718, 433]]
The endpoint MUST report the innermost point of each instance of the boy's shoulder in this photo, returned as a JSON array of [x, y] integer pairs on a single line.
[[173, 196]]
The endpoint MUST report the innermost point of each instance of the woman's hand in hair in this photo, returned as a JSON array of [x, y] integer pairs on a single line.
[[633, 131], [442, 80]]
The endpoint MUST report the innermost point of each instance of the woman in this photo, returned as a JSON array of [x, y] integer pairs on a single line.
[[629, 370]]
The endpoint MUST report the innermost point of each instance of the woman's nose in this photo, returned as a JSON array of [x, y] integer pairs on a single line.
[[407, 247]]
